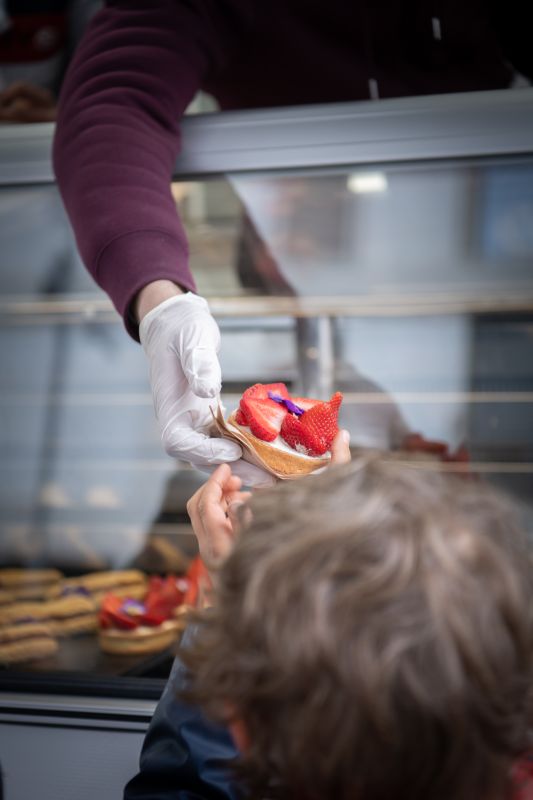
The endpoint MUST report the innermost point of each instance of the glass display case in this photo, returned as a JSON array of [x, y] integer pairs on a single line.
[[384, 250]]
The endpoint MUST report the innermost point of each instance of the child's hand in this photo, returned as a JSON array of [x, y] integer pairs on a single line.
[[211, 510], [340, 449]]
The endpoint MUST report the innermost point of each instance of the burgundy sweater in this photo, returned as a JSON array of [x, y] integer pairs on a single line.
[[142, 61]]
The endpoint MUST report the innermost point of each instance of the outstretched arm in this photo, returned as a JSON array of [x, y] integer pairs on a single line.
[[137, 68], [117, 136]]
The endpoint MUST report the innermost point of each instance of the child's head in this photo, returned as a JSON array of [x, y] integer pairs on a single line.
[[373, 631]]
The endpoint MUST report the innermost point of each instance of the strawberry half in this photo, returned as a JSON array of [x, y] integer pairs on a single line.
[[314, 431], [261, 414], [264, 417], [305, 402], [240, 419], [164, 595], [259, 391]]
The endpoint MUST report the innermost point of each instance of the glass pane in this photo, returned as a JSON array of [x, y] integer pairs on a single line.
[[408, 288], [403, 232]]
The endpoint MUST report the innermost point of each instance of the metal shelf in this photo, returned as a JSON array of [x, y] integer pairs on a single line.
[[433, 127], [64, 309], [140, 399]]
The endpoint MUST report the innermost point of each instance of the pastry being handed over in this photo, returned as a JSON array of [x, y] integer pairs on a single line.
[[288, 436]]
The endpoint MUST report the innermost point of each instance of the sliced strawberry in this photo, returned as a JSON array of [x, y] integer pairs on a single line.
[[164, 594], [162, 606], [259, 391], [104, 620], [264, 417], [122, 620], [197, 570], [151, 619], [291, 432], [197, 577], [110, 602], [129, 614], [305, 402], [240, 419], [315, 430], [264, 423]]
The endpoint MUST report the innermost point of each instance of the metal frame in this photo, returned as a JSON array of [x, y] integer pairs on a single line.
[[433, 127], [71, 710]]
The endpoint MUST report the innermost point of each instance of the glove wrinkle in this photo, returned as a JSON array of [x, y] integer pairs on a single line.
[[200, 450], [202, 371]]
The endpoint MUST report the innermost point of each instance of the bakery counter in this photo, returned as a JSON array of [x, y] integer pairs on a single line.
[[87, 658], [80, 666], [83, 715], [62, 747]]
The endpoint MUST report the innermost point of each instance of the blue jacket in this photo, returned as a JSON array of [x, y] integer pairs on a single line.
[[184, 756]]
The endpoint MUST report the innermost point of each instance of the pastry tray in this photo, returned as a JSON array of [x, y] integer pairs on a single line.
[[80, 667]]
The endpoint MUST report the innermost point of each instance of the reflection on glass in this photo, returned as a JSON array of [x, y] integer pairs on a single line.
[[410, 289], [397, 236]]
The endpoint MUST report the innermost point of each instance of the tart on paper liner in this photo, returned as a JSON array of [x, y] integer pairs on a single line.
[[287, 437]]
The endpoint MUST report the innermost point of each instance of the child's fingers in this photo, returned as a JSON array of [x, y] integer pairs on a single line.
[[340, 449], [233, 484], [207, 509], [213, 530], [214, 486], [237, 497], [233, 515]]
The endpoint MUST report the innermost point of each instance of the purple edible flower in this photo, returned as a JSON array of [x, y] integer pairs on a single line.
[[133, 607], [75, 590], [289, 405]]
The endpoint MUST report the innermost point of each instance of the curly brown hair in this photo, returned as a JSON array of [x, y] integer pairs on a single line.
[[373, 630]]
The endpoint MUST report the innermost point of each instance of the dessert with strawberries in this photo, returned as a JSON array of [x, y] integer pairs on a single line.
[[291, 435], [129, 626], [132, 627]]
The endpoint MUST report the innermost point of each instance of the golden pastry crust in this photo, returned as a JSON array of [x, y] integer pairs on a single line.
[[26, 643], [6, 598], [141, 640], [123, 583], [30, 584], [64, 617], [76, 625], [280, 461], [135, 592]]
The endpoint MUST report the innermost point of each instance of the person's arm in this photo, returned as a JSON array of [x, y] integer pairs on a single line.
[[117, 136]]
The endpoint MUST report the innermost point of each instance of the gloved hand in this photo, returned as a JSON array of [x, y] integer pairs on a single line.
[[181, 340]]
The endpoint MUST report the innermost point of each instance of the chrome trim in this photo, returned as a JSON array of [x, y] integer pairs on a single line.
[[465, 125], [139, 399], [62, 308], [11, 702], [473, 124]]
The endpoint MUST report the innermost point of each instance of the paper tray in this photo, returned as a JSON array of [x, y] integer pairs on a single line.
[[228, 431]]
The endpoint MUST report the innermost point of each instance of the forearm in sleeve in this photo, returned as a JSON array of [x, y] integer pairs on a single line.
[[117, 135]]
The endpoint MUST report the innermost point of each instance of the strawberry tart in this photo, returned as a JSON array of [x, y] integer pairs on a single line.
[[131, 627], [291, 436]]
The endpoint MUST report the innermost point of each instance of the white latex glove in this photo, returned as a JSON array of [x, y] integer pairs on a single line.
[[181, 340]]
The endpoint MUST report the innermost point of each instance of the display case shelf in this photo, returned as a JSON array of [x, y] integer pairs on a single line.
[[382, 249]]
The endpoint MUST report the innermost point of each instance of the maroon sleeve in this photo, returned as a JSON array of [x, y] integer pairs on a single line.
[[117, 136]]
